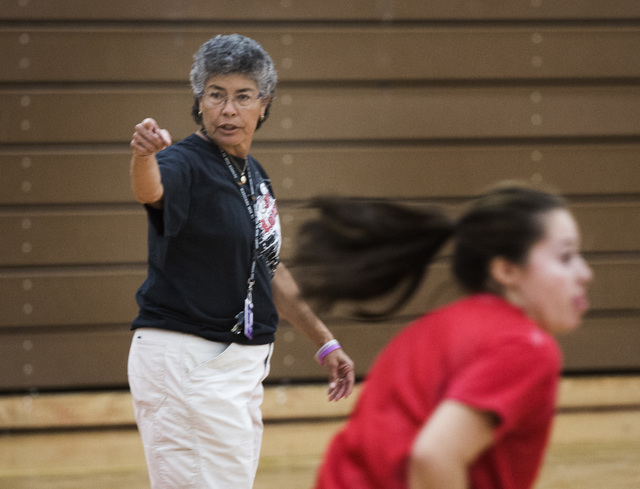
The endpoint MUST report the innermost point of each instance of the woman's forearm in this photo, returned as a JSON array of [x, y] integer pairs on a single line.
[[146, 181], [295, 310]]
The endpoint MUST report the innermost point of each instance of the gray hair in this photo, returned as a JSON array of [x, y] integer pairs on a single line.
[[224, 55]]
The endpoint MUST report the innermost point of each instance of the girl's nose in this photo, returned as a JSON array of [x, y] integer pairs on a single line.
[[587, 272]]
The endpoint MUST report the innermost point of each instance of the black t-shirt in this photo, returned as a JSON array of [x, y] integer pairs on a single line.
[[200, 248]]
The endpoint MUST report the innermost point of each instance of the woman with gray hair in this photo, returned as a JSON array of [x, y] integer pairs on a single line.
[[215, 288]]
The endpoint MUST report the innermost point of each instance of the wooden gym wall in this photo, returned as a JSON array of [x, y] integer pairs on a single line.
[[417, 101]]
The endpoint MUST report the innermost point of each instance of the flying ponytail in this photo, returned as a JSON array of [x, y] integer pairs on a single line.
[[357, 250]]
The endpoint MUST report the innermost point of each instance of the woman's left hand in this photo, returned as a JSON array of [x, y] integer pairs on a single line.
[[294, 309], [341, 374]]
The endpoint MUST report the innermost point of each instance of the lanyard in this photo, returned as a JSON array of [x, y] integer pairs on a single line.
[[244, 319]]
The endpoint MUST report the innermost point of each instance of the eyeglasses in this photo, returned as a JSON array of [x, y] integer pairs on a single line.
[[242, 100]]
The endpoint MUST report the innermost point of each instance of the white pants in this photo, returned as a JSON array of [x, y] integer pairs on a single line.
[[197, 407]]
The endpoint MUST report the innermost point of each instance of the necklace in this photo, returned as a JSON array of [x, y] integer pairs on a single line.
[[243, 171], [243, 177]]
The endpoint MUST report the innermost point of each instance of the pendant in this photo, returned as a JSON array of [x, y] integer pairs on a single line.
[[243, 180]]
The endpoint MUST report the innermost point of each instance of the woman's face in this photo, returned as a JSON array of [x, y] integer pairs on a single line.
[[551, 287], [231, 107]]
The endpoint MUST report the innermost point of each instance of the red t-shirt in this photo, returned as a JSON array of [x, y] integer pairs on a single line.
[[481, 351]]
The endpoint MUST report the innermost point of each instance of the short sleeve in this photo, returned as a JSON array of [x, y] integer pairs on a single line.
[[176, 181], [513, 379]]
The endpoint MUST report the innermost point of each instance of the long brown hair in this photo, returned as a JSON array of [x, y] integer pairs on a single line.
[[358, 250]]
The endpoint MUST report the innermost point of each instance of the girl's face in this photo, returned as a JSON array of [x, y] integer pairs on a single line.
[[551, 287]]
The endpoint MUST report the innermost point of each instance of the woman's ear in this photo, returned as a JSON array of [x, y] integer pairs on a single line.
[[265, 104]]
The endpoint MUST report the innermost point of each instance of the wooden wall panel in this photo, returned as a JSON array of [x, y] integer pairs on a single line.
[[612, 291], [32, 175], [419, 171], [60, 298], [37, 176], [75, 116], [417, 101], [76, 237], [601, 344], [328, 10], [113, 237], [164, 54], [85, 359], [584, 349], [96, 357]]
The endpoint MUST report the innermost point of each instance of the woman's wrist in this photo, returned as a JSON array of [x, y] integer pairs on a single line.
[[328, 347]]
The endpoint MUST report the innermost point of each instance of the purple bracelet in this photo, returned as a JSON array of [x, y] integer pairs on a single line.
[[327, 348]]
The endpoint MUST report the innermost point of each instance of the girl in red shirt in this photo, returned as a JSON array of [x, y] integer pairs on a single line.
[[464, 397]]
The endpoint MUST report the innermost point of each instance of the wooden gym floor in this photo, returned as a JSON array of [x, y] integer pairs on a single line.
[[75, 441]]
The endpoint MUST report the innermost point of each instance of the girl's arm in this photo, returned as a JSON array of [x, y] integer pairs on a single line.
[[451, 440]]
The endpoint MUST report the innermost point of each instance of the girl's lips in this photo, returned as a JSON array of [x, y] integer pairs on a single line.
[[581, 303]]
